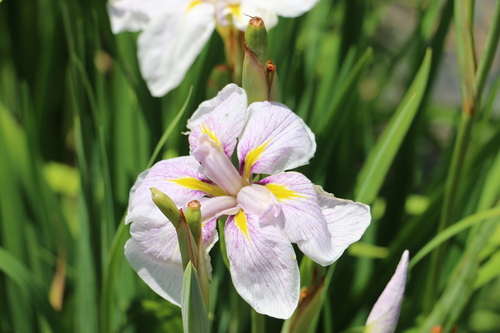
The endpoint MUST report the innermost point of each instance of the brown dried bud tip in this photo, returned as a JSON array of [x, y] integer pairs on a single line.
[[437, 329], [304, 292], [194, 204], [270, 66], [256, 21]]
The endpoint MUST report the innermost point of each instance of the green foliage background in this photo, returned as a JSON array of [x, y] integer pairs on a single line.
[[77, 125]]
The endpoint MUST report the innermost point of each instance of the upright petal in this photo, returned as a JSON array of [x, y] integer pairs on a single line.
[[286, 8], [134, 15], [179, 178], [222, 118], [171, 42], [237, 14], [304, 222], [347, 221], [263, 266], [384, 315], [274, 139]]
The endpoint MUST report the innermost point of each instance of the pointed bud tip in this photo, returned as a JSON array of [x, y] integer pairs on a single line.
[[256, 21]]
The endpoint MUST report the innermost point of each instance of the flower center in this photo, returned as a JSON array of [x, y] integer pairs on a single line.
[[217, 166]]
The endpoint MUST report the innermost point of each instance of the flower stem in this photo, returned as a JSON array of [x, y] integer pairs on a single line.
[[489, 52], [258, 322], [463, 14]]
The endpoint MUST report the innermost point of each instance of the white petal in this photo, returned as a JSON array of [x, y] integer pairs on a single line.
[[162, 176], [239, 14], [170, 43], [347, 221], [286, 8], [134, 15], [153, 252], [263, 267], [304, 222], [157, 261], [274, 139], [384, 315], [222, 117]]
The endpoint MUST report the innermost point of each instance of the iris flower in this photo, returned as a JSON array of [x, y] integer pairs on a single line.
[[384, 315], [175, 31], [264, 216]]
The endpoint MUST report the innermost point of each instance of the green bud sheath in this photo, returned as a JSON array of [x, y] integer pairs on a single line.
[[256, 38], [187, 244], [273, 82], [254, 78], [193, 219], [166, 205]]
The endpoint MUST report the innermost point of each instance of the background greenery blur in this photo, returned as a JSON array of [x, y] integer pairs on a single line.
[[77, 125]]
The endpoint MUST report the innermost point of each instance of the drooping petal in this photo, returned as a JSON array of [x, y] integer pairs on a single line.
[[179, 178], [384, 315], [153, 252], [209, 234], [286, 8], [274, 139], [304, 222], [134, 15], [171, 42], [347, 221], [222, 118], [263, 266], [217, 166], [164, 277]]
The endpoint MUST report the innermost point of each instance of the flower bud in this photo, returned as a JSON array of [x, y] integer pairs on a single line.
[[166, 205], [218, 79], [193, 219], [260, 79], [256, 38]]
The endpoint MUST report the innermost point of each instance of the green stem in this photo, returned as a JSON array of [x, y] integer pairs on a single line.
[[489, 52], [258, 322], [463, 13]]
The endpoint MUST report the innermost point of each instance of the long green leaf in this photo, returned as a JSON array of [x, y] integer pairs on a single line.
[[380, 159], [194, 313], [453, 230], [27, 282]]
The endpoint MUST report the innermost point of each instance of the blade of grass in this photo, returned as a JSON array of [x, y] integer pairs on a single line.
[[463, 13], [378, 162], [454, 230]]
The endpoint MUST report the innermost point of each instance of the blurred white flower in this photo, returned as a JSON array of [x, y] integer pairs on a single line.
[[175, 31]]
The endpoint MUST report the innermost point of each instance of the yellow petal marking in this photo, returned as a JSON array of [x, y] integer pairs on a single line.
[[282, 192], [193, 4], [240, 219], [212, 135], [252, 157], [235, 9], [196, 184]]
